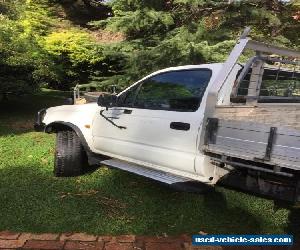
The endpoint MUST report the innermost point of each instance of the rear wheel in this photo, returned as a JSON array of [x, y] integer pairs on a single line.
[[70, 157]]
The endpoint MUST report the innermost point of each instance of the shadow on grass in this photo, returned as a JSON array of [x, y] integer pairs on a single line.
[[294, 223], [111, 202], [17, 114]]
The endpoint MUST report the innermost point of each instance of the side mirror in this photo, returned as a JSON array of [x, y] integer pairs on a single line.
[[107, 100]]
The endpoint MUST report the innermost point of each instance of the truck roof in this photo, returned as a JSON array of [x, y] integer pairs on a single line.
[[212, 66]]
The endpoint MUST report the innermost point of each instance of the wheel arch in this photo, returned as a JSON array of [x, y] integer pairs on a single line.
[[57, 126]]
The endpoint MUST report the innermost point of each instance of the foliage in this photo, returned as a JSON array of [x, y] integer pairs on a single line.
[[170, 33], [75, 54], [21, 57], [51, 51], [74, 44]]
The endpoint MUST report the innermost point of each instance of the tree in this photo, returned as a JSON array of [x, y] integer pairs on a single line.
[[21, 57], [51, 51], [176, 32]]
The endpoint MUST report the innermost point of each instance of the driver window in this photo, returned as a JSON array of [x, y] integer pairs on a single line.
[[175, 91]]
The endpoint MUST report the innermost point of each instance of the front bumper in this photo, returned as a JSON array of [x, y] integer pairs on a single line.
[[39, 126]]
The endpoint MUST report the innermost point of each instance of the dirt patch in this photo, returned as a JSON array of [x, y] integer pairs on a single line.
[[103, 36], [21, 126]]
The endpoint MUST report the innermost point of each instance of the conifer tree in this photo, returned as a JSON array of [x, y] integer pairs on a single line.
[[176, 32]]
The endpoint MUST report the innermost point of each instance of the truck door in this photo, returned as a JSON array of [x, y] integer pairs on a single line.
[[157, 121]]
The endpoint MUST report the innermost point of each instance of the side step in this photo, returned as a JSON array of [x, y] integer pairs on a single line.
[[147, 172]]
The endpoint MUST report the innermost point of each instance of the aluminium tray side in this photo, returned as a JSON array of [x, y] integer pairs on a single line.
[[249, 141]]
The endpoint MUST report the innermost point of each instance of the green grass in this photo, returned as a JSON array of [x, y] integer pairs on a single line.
[[110, 201]]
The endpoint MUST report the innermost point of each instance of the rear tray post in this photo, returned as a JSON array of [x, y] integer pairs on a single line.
[[269, 148], [211, 131]]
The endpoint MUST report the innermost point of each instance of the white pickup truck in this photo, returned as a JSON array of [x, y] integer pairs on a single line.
[[229, 123]]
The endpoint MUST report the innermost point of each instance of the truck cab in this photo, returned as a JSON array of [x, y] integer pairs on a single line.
[[156, 122]]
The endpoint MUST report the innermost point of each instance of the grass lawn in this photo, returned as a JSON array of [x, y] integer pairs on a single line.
[[110, 201]]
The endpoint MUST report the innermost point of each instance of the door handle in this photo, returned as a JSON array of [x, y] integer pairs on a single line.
[[127, 111], [180, 126]]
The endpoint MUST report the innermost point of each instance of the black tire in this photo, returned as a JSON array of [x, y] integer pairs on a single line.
[[70, 157]]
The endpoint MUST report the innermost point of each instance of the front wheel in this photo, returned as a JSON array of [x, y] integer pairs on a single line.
[[70, 157]]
